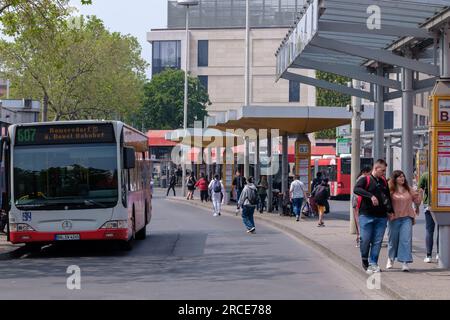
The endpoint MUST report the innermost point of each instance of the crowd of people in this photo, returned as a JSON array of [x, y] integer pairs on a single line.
[[379, 204]]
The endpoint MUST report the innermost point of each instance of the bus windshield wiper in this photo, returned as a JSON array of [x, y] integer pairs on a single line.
[[93, 202]]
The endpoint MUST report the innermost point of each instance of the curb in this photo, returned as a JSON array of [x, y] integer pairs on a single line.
[[312, 243]]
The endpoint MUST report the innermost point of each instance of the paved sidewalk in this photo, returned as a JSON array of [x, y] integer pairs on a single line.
[[424, 281]]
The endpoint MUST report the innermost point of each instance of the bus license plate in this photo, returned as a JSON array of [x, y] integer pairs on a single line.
[[67, 237]]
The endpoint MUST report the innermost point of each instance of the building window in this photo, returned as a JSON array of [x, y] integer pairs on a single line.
[[204, 81], [422, 121], [166, 54], [203, 53], [369, 125], [416, 121], [294, 91]]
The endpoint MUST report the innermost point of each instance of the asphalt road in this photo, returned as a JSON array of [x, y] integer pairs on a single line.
[[188, 254]]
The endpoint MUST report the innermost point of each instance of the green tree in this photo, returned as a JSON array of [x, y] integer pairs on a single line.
[[78, 68], [329, 98], [164, 101]]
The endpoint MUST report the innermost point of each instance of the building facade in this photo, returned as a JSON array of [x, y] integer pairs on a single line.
[[217, 51]]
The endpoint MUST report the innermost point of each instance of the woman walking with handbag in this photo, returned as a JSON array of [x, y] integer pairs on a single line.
[[401, 221]]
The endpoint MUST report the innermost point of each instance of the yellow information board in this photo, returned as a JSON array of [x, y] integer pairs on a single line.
[[440, 149], [303, 160]]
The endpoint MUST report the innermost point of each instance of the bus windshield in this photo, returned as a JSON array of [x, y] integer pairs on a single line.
[[65, 177]]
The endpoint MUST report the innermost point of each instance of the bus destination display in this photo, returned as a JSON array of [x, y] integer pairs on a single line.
[[65, 134]]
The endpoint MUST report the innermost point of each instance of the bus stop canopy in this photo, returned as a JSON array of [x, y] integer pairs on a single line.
[[341, 37], [289, 120], [199, 138]]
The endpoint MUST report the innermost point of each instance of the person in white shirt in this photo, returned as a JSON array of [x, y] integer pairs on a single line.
[[217, 192], [297, 194]]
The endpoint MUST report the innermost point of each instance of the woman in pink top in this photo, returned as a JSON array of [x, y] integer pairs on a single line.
[[401, 222]]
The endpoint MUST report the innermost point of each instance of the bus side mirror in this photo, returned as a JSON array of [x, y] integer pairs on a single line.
[[2, 145], [129, 158], [3, 142]]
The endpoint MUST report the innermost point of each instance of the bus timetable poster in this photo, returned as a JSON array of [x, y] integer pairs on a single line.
[[443, 150]]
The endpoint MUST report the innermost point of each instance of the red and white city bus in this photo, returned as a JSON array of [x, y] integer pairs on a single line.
[[75, 181], [338, 171]]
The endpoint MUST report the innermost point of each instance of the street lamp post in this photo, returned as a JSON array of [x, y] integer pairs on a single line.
[[187, 4]]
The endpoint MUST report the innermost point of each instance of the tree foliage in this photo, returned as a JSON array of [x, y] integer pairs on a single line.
[[329, 98], [76, 66], [164, 101]]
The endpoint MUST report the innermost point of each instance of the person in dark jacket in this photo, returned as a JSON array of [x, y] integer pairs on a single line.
[[190, 183], [373, 214], [172, 184], [321, 194]]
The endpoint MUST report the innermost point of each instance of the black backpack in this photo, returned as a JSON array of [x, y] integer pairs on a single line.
[[252, 196], [320, 193]]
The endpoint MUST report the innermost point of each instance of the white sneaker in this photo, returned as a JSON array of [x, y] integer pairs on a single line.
[[376, 268], [437, 257], [389, 264], [215, 215], [405, 267], [373, 268], [427, 260]]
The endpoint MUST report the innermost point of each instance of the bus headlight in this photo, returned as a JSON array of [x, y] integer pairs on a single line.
[[20, 227], [115, 224]]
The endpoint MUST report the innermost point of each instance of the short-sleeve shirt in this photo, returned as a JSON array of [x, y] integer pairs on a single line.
[[297, 188]]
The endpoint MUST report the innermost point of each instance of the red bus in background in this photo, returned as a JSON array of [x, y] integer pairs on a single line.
[[338, 172]]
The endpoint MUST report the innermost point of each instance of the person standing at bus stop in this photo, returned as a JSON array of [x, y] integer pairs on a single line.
[[375, 206], [203, 185], [190, 183], [430, 224]]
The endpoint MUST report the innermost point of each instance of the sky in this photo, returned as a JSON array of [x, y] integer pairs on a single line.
[[134, 17]]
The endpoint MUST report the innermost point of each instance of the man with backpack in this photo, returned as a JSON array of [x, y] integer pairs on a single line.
[[238, 185], [321, 194], [217, 191], [248, 202], [374, 206]]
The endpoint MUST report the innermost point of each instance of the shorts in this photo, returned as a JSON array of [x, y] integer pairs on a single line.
[[321, 209]]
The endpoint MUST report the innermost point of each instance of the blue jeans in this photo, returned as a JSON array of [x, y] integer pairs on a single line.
[[247, 216], [430, 226], [297, 205], [400, 239], [238, 196], [372, 231]]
